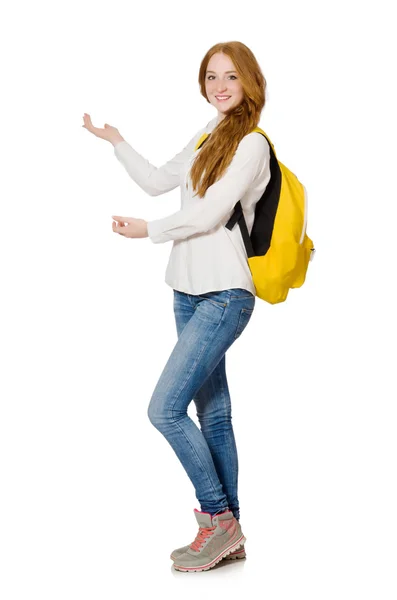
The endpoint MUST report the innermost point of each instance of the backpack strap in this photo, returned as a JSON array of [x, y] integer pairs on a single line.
[[238, 217], [259, 130], [201, 140]]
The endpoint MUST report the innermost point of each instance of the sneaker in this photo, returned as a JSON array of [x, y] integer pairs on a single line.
[[218, 537]]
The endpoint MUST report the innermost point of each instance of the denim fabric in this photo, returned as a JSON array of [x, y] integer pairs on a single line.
[[207, 325]]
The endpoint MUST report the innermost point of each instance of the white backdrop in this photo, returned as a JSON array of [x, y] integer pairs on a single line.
[[93, 498]]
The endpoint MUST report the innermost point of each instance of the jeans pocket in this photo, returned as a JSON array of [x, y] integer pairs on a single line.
[[245, 315]]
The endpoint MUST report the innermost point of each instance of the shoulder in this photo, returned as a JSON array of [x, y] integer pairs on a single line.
[[254, 145], [255, 141]]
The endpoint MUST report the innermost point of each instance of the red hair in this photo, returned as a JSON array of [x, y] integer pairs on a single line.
[[218, 151]]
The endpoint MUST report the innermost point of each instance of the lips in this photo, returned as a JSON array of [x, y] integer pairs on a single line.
[[220, 99]]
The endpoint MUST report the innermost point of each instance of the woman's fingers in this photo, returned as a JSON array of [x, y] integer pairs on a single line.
[[95, 130], [131, 227], [119, 228], [87, 121], [122, 220], [101, 133]]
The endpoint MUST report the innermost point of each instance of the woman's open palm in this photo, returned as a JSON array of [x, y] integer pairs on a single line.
[[109, 133]]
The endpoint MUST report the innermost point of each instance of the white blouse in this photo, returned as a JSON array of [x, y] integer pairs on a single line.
[[205, 255]]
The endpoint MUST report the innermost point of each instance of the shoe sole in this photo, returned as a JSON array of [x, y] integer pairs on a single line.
[[237, 554], [215, 561]]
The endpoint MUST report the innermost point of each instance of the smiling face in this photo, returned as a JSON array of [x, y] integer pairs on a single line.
[[221, 79]]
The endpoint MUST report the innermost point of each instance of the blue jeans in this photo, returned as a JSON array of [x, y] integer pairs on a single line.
[[207, 325]]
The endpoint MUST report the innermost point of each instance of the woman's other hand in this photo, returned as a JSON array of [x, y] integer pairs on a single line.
[[108, 133], [130, 227]]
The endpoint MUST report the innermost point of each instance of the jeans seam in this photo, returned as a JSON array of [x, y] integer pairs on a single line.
[[194, 451]]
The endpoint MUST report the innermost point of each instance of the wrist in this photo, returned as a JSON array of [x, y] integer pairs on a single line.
[[117, 140]]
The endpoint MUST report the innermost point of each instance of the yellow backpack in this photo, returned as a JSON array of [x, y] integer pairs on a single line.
[[278, 248]]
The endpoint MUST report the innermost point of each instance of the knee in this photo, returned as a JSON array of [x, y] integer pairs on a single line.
[[161, 415], [157, 413], [153, 415]]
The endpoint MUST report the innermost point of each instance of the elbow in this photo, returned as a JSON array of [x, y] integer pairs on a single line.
[[153, 192], [148, 189], [152, 188], [209, 224]]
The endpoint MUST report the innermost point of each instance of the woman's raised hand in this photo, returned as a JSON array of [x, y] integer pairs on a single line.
[[108, 133]]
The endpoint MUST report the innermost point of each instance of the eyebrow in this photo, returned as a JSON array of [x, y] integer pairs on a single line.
[[225, 71]]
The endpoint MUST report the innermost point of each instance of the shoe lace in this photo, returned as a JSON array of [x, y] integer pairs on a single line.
[[203, 534]]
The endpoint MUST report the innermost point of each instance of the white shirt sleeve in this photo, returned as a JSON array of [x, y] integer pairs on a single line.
[[220, 198], [154, 180]]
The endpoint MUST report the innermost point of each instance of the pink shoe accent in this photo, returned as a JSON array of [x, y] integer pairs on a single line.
[[203, 512], [203, 534], [230, 526]]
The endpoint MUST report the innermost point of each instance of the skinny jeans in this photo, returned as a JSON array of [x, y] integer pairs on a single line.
[[207, 325]]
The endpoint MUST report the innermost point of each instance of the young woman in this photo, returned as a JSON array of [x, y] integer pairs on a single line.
[[214, 295]]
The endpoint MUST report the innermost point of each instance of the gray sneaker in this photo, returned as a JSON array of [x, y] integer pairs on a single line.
[[219, 537]]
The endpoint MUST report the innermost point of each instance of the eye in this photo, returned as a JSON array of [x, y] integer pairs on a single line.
[[214, 76]]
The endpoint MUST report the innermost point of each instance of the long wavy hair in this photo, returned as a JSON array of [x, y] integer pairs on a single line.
[[219, 149]]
